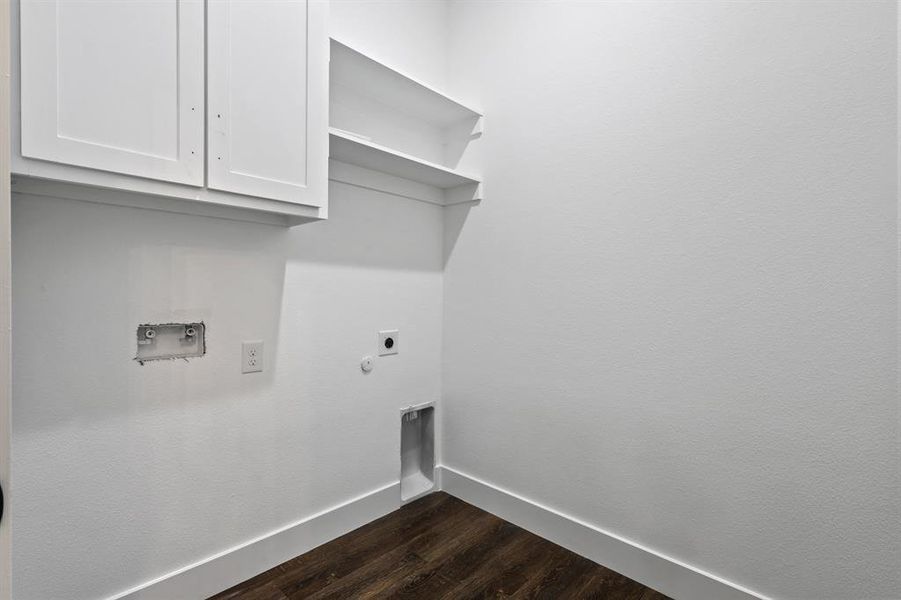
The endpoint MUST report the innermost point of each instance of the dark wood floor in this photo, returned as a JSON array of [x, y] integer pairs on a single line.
[[439, 547]]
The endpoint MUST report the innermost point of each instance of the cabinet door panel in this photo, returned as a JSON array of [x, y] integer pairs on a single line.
[[268, 98], [115, 85]]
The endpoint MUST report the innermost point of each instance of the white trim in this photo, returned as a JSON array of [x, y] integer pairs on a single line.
[[368, 179], [230, 567], [27, 186], [226, 569], [5, 296], [662, 573], [203, 202]]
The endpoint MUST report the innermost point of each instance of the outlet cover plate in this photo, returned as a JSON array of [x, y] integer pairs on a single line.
[[389, 340], [252, 357]]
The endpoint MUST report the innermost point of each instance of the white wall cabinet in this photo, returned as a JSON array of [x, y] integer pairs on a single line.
[[261, 118], [114, 85], [118, 96]]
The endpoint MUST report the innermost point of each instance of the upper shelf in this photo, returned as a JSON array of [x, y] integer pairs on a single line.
[[363, 153], [353, 69]]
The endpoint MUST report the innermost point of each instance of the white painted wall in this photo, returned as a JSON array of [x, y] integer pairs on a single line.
[[675, 318], [124, 473], [410, 35]]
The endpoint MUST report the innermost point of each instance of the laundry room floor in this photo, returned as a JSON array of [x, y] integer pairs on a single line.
[[439, 547]]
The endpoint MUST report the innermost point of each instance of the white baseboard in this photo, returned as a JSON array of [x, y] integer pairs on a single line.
[[664, 574], [221, 571]]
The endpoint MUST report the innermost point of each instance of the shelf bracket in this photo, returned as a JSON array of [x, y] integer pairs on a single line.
[[464, 194]]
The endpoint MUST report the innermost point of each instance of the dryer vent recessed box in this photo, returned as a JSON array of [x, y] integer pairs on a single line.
[[417, 451]]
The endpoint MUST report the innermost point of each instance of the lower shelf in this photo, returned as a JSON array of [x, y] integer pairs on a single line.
[[357, 151], [366, 164]]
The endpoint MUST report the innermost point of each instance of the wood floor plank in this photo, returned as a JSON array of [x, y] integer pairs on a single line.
[[374, 537], [601, 583], [304, 575], [439, 548], [555, 575], [371, 580], [264, 591], [507, 570], [480, 564]]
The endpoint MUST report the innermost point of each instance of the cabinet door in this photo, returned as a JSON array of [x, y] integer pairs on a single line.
[[115, 85], [267, 118]]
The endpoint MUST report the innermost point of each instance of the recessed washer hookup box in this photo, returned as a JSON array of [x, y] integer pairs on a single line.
[[167, 341]]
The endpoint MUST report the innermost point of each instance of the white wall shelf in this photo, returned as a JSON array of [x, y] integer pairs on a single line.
[[348, 148], [390, 87], [363, 163], [392, 133]]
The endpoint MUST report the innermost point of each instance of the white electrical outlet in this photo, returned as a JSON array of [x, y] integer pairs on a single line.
[[388, 342], [251, 357]]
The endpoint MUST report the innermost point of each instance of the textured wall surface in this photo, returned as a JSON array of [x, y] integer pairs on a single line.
[[124, 473], [675, 315]]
